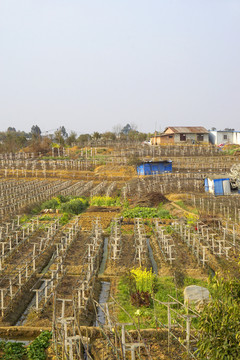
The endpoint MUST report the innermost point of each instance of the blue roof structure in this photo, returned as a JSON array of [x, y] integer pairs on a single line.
[[217, 185], [154, 167]]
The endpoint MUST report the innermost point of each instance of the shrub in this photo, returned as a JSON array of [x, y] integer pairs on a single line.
[[53, 203], [74, 206], [63, 199], [219, 322]]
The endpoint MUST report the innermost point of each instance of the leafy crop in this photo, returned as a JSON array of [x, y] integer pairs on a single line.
[[2, 344], [13, 350], [104, 201], [144, 279], [146, 213], [36, 350]]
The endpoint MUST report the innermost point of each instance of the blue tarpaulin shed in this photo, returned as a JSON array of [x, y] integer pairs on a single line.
[[154, 167], [218, 185]]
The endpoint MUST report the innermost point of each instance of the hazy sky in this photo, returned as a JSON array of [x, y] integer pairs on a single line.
[[93, 64]]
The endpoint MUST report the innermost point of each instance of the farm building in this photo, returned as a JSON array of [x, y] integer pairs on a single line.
[[181, 134], [218, 185], [154, 167], [227, 136]]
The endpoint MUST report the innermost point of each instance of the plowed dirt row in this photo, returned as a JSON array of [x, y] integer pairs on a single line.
[[73, 261], [87, 218]]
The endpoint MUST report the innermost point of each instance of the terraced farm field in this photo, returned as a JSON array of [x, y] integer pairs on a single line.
[[99, 258]]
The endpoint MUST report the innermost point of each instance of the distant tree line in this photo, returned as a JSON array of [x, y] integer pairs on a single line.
[[13, 140]]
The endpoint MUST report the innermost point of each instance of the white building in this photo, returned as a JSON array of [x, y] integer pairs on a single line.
[[227, 136]]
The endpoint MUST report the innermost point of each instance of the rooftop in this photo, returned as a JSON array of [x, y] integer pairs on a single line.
[[187, 129]]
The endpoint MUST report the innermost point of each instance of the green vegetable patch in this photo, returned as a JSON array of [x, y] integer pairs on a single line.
[[147, 213], [18, 351], [142, 308]]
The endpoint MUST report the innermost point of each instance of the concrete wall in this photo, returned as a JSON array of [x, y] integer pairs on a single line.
[[213, 137], [206, 138], [222, 140], [155, 140], [217, 137], [191, 138], [236, 138], [175, 139], [166, 140]]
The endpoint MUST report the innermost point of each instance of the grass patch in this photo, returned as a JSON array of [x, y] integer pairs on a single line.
[[145, 316], [181, 204], [24, 219], [186, 207], [46, 218], [65, 218]]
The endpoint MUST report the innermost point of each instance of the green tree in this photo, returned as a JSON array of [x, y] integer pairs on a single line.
[[35, 131], [11, 129], [63, 132], [133, 135], [109, 136], [96, 136], [126, 129], [83, 139], [59, 137], [72, 138]]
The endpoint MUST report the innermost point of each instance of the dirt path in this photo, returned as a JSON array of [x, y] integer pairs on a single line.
[[185, 211]]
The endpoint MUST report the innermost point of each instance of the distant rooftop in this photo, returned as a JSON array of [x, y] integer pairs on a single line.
[[187, 129]]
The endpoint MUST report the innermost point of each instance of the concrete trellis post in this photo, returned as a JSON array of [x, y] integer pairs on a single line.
[[2, 300], [37, 291], [3, 247], [132, 347], [46, 282], [64, 301], [10, 288], [123, 337], [19, 278]]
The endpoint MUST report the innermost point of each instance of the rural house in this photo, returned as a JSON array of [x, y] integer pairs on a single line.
[[226, 136], [181, 134]]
